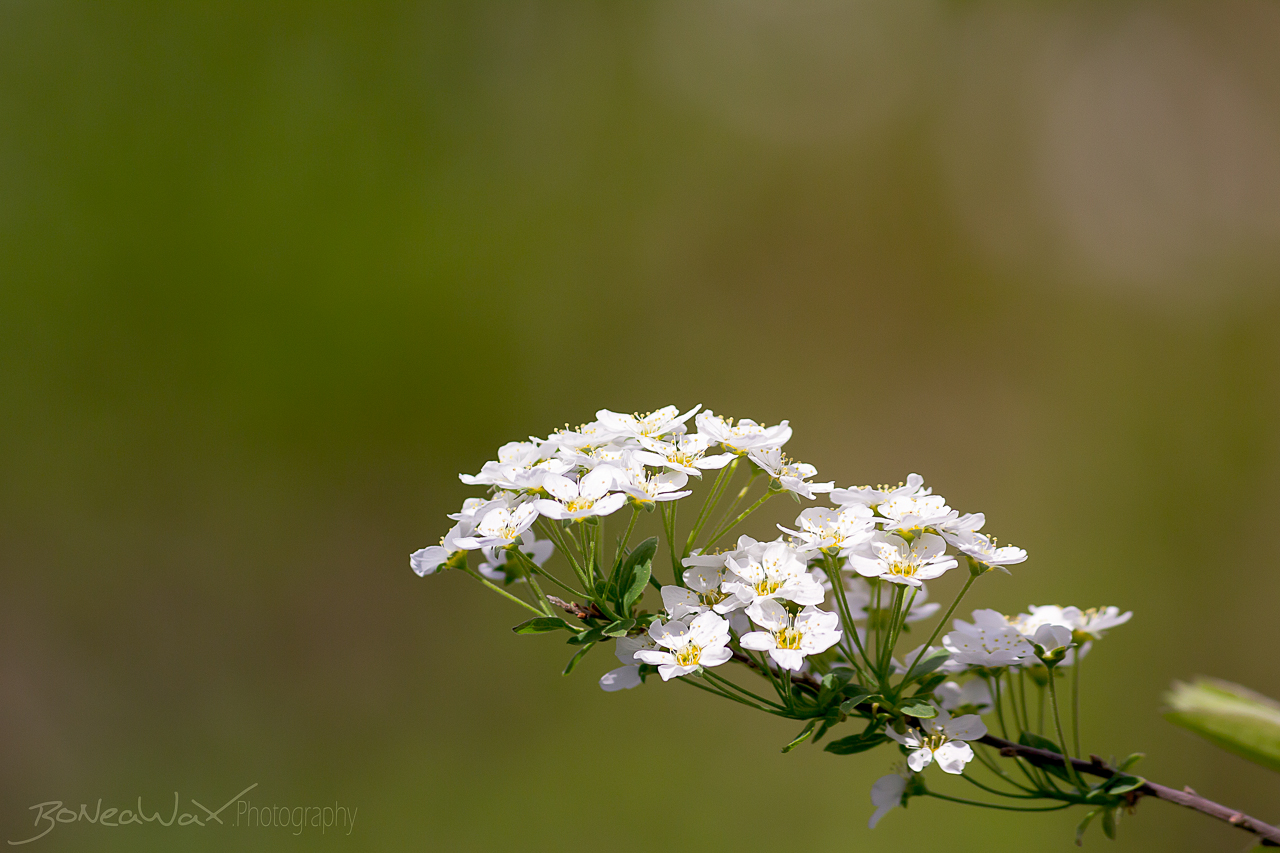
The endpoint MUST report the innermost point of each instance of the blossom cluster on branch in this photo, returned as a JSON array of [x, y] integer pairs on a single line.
[[811, 619]]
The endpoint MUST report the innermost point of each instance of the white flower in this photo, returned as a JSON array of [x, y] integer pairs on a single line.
[[583, 499], [941, 739], [1096, 621], [904, 512], [702, 642], [628, 675], [583, 438], [861, 600], [501, 526], [427, 561], [646, 488], [975, 693], [959, 530], [886, 794], [787, 639], [778, 572], [1045, 614], [498, 565], [701, 592], [989, 641], [521, 465], [651, 425], [791, 475], [982, 549], [743, 436], [822, 528], [890, 557], [685, 453], [873, 497]]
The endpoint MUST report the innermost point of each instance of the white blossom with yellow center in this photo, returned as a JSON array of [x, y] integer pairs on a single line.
[[684, 453], [792, 476], [584, 498], [686, 646], [941, 739], [744, 435], [790, 639], [892, 558], [775, 571]]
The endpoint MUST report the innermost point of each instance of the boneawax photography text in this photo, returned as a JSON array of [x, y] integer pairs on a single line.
[[52, 813]]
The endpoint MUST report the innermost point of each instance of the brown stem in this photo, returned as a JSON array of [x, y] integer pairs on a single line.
[[1187, 798]]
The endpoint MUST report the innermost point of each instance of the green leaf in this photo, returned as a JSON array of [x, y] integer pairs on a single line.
[[591, 635], [542, 625], [849, 705], [619, 628], [1123, 784], [856, 743], [1084, 824], [573, 661], [1230, 716], [802, 737], [1109, 823], [634, 574], [822, 729], [833, 682], [920, 710], [1035, 740], [1131, 760], [927, 664]]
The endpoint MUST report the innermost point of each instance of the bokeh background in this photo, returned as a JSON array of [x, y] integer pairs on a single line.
[[273, 274]]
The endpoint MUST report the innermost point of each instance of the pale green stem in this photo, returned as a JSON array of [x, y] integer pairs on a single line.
[[1057, 724], [942, 624], [726, 682], [626, 537], [1075, 701], [502, 592], [996, 805], [718, 489], [741, 517]]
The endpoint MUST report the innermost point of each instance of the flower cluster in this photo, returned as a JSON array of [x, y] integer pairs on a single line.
[[816, 611]]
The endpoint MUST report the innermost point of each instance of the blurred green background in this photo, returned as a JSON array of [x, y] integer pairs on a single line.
[[272, 274]]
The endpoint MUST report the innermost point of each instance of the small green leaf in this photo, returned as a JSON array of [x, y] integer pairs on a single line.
[[1123, 784], [1131, 760], [927, 664], [591, 635], [848, 705], [619, 628], [1034, 740], [833, 682], [542, 625], [1084, 824], [1109, 823], [856, 743], [573, 661], [635, 573], [822, 729], [1229, 716], [920, 710], [802, 737]]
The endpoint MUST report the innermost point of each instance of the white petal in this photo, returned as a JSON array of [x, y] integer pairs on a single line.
[[953, 756], [622, 678], [425, 561], [561, 487], [920, 759]]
